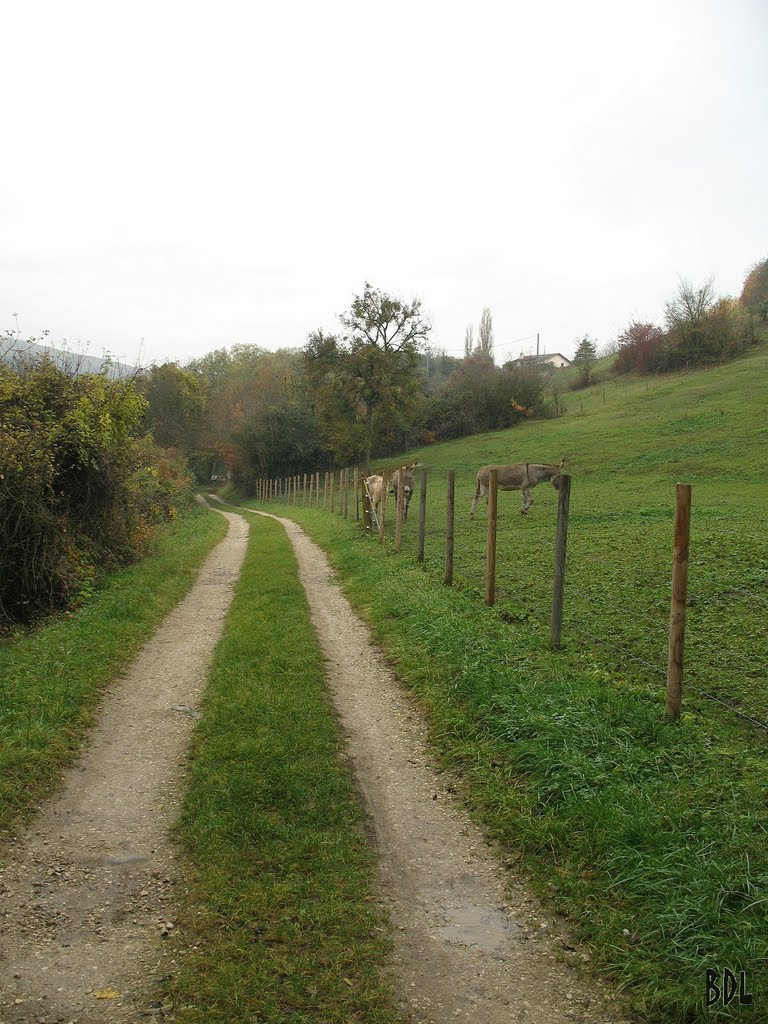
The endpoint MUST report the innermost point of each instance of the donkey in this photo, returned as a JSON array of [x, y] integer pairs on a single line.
[[375, 485], [520, 477]]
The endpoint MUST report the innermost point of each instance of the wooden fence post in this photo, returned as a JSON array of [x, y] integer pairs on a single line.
[[325, 491], [367, 520], [448, 578], [561, 541], [333, 491], [490, 550], [356, 485], [422, 516], [399, 509], [311, 488], [679, 594], [345, 497], [317, 491], [383, 506]]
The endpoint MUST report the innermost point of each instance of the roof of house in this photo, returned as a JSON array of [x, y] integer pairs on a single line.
[[544, 357]]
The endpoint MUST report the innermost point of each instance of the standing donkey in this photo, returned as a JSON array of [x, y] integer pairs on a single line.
[[375, 485], [520, 477]]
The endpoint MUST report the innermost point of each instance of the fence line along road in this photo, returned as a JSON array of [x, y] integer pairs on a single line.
[[278, 489]]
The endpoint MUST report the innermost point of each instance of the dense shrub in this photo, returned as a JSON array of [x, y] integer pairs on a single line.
[[79, 490], [702, 330], [482, 396], [640, 348]]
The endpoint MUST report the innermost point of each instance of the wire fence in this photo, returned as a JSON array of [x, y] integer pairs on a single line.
[[617, 605]]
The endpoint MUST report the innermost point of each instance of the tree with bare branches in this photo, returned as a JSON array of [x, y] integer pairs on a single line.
[[469, 341]]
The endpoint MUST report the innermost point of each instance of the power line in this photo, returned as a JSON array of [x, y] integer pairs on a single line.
[[506, 344]]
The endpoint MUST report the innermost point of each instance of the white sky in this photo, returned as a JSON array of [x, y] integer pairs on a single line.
[[196, 175]]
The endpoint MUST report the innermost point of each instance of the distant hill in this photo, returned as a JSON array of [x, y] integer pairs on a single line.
[[19, 351]]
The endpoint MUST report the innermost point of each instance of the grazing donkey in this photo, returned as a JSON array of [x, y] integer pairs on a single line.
[[521, 477], [375, 485]]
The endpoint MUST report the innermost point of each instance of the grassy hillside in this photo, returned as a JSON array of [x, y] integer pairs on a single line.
[[626, 444], [650, 836]]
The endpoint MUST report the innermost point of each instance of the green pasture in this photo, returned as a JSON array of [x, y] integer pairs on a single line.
[[633, 441], [650, 835]]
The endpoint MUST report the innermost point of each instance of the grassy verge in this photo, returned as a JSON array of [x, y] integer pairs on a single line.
[[279, 917], [650, 836], [51, 679]]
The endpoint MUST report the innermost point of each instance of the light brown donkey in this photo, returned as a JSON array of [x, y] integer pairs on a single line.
[[375, 485]]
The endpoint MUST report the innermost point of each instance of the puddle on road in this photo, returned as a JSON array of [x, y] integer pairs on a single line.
[[485, 927]]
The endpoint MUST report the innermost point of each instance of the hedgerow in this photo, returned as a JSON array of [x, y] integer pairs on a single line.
[[81, 491]]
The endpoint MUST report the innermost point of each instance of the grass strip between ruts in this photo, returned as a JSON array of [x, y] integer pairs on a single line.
[[280, 922], [51, 679]]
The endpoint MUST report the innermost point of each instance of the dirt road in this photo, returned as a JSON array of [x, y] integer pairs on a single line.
[[472, 943], [87, 893]]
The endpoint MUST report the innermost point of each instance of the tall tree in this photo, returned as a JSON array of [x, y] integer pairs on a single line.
[[374, 364], [485, 338], [469, 341], [176, 402], [690, 307], [754, 295], [585, 359]]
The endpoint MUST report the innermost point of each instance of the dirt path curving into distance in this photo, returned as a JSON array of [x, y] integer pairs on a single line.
[[471, 942], [87, 893]]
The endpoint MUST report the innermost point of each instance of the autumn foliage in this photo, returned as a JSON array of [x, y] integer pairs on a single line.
[[81, 491]]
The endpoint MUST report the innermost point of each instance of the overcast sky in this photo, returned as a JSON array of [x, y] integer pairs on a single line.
[[177, 177]]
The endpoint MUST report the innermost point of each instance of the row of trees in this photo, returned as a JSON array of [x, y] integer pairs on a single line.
[[88, 463], [372, 388], [375, 386], [700, 328]]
